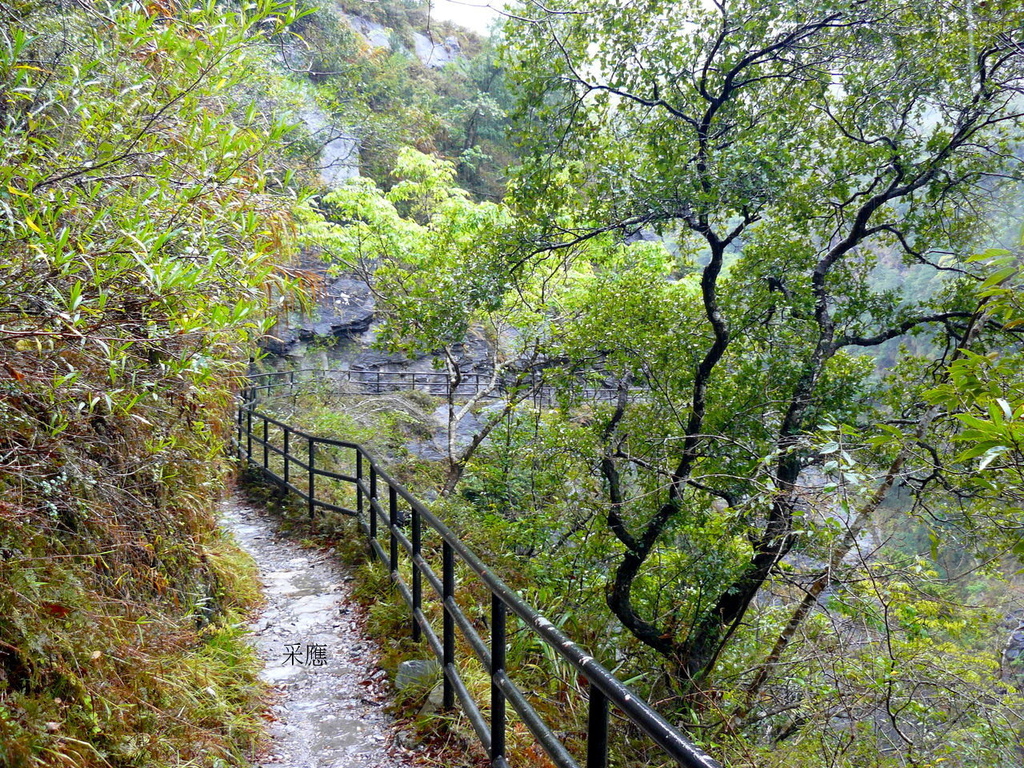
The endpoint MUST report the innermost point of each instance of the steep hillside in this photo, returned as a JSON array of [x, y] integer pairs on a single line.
[[137, 224], [389, 75]]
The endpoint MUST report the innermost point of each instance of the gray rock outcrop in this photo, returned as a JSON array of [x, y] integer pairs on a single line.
[[345, 309], [430, 53], [436, 55], [376, 35], [1013, 655], [339, 151]]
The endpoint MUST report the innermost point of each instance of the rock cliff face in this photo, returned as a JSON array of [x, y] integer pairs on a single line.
[[339, 144], [431, 53], [344, 311], [341, 325], [436, 55], [339, 150]]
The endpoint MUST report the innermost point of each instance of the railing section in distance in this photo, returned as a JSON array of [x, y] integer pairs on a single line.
[[288, 457], [432, 382]]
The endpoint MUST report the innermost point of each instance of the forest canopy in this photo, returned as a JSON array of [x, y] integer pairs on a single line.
[[787, 151], [781, 240]]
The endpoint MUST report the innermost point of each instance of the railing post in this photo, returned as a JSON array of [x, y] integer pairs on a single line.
[[266, 439], [373, 503], [393, 525], [448, 624], [497, 668], [312, 477], [378, 381], [597, 729], [248, 434], [359, 482], [287, 457], [417, 577]]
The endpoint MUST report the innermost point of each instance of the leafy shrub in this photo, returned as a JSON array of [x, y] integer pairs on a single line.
[[136, 237]]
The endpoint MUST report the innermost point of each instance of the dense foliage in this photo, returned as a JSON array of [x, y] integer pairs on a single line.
[[758, 437], [136, 231], [436, 263], [808, 544], [750, 464]]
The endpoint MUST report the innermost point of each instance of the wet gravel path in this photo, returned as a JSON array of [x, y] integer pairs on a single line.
[[329, 691]]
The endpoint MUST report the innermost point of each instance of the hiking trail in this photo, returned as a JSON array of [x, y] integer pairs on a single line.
[[329, 691]]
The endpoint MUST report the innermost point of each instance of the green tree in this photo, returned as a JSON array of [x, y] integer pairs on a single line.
[[433, 260], [789, 144]]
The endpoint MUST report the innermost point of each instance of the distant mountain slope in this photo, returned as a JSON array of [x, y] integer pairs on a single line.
[[389, 75]]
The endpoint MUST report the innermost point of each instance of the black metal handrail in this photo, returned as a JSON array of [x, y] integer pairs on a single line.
[[379, 500]]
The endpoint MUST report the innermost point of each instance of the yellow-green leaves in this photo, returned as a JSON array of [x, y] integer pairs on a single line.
[[135, 267], [432, 256]]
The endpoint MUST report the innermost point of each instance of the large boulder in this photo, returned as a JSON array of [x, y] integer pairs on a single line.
[[346, 307]]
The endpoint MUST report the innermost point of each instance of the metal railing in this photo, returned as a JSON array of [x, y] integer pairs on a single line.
[[382, 507], [432, 382]]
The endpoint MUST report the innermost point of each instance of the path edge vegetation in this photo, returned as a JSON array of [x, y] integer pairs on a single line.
[[145, 232]]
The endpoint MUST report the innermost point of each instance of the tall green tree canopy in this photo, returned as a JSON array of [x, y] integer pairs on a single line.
[[434, 260], [786, 147]]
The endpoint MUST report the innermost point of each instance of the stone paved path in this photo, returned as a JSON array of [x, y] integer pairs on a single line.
[[329, 691]]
